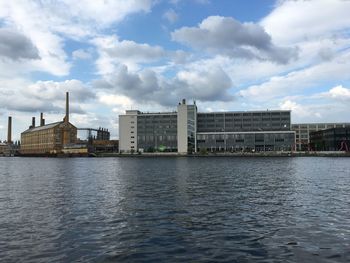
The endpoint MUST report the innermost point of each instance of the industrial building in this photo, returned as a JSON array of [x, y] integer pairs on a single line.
[[334, 139], [97, 140], [49, 139], [187, 130], [8, 148], [303, 130], [94, 134]]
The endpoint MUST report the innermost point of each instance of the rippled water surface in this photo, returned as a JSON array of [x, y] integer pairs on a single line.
[[175, 210]]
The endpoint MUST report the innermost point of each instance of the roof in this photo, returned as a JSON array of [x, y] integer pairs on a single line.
[[44, 127], [250, 111]]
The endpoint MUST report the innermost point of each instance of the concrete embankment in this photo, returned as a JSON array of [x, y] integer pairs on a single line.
[[240, 154]]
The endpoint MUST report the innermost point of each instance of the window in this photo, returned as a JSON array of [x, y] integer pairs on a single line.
[[132, 142]]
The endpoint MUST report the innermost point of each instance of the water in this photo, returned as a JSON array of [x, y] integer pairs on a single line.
[[175, 210]]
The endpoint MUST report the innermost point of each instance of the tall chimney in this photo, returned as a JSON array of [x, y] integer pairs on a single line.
[[9, 131], [67, 107], [41, 119], [33, 122]]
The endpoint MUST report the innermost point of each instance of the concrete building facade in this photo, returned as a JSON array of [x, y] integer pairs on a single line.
[[303, 130], [186, 128], [128, 130], [187, 131]]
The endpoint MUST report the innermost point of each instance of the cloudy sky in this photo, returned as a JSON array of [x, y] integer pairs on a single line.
[[114, 55]]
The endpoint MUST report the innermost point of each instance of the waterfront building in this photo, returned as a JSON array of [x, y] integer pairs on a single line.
[[303, 130], [89, 134], [48, 139], [187, 130], [96, 140], [8, 148], [334, 139], [3, 148]]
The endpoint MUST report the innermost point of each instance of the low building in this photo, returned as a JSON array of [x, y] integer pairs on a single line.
[[187, 130], [3, 148], [334, 139], [88, 134], [254, 141], [105, 146], [49, 139], [303, 130]]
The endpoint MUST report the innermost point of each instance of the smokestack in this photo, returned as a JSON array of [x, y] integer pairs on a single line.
[[33, 122], [67, 107], [9, 131], [41, 119]]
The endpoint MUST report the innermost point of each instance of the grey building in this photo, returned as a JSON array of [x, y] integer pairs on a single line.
[[243, 121], [246, 141], [333, 139], [303, 130], [245, 131], [186, 130], [156, 131]]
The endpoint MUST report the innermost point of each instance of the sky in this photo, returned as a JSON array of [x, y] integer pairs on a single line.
[[149, 54]]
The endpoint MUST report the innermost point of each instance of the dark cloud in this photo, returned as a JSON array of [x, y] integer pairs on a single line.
[[226, 36], [147, 86], [16, 46], [28, 105], [48, 96]]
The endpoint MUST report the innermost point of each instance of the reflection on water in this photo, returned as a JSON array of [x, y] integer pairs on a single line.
[[175, 209]]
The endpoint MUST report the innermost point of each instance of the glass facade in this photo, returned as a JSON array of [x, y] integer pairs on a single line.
[[243, 121], [334, 139], [187, 131], [157, 132], [191, 127], [248, 141], [304, 130]]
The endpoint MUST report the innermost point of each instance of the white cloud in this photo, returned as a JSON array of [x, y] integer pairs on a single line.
[[113, 52], [298, 21], [300, 80], [48, 24], [171, 16], [104, 13], [81, 54], [115, 100], [338, 93]]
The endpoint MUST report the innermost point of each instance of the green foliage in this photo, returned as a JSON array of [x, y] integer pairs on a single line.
[[203, 151]]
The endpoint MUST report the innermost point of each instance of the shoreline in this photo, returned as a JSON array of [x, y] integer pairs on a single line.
[[175, 154], [261, 154]]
